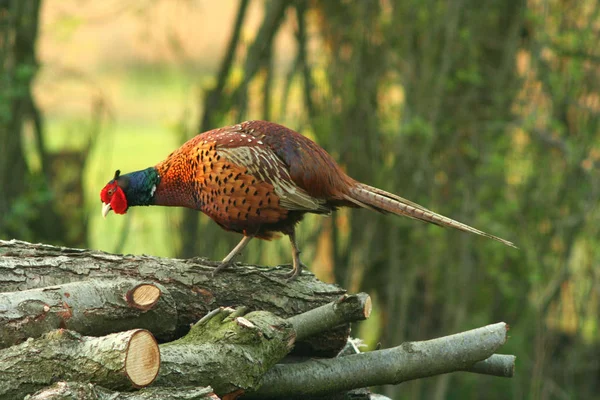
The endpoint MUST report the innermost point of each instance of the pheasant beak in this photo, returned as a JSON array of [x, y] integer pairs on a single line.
[[105, 209]]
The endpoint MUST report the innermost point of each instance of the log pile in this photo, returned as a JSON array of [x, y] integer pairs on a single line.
[[81, 324]]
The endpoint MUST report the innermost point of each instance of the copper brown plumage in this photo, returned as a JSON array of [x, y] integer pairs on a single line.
[[257, 178]]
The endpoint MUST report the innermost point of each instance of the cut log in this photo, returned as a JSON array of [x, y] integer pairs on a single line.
[[89, 391], [94, 307], [231, 349], [118, 361], [190, 282]]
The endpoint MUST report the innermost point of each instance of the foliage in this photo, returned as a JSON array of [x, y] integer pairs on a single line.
[[24, 191]]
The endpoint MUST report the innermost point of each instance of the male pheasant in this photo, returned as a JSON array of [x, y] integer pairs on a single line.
[[257, 178]]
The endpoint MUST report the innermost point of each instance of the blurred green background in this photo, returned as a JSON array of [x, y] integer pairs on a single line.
[[485, 111]]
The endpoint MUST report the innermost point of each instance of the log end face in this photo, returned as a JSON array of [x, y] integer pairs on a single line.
[[144, 296], [354, 307], [368, 307], [143, 359]]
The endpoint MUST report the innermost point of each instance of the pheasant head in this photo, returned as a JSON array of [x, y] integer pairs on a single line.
[[133, 189]]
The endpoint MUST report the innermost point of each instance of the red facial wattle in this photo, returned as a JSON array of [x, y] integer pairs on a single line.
[[113, 195], [119, 201]]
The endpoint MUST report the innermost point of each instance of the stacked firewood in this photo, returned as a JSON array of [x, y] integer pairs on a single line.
[[81, 324]]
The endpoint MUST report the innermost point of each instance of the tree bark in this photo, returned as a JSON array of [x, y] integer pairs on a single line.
[[502, 365], [93, 307], [190, 283], [356, 394], [122, 360], [90, 391], [411, 360]]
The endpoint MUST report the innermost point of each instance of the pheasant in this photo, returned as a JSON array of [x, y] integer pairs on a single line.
[[257, 178]]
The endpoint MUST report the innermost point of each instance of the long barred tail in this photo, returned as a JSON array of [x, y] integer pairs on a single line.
[[370, 197]]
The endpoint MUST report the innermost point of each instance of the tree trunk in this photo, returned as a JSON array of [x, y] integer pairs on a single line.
[[16, 18], [20, 184]]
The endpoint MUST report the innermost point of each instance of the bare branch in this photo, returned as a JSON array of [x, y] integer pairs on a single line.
[[502, 365], [408, 361], [348, 308]]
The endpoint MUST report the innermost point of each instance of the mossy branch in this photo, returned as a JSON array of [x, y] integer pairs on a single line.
[[241, 347]]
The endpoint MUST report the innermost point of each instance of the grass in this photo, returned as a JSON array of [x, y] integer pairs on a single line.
[[147, 109], [129, 148]]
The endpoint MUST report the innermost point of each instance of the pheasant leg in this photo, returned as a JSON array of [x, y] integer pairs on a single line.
[[297, 265], [228, 260]]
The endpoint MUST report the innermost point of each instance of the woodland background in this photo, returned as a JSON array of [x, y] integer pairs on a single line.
[[485, 111]]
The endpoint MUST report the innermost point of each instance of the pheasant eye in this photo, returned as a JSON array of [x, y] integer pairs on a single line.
[[111, 191]]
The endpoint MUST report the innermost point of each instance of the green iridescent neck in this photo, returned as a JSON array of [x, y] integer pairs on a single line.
[[140, 186]]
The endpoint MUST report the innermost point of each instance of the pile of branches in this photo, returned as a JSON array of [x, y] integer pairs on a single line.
[[81, 324]]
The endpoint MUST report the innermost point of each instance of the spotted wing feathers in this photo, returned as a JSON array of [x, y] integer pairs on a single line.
[[250, 150]]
